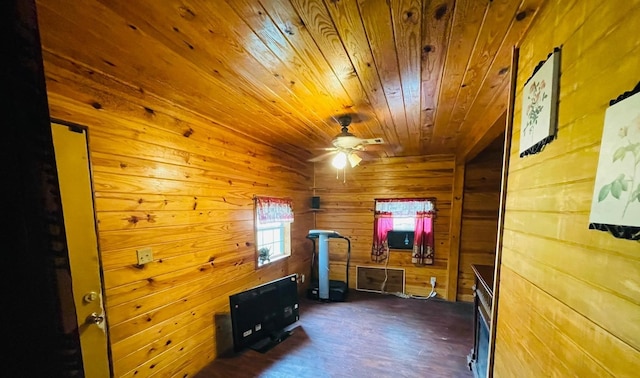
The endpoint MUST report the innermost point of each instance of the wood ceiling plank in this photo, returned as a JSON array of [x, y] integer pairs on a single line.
[[378, 25], [407, 26], [276, 71], [124, 53], [474, 125], [495, 107], [346, 17], [287, 20], [303, 96], [318, 23], [489, 137], [468, 17], [436, 25], [216, 41], [294, 58], [498, 20]]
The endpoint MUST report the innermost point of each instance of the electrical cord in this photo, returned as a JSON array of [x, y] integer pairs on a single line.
[[386, 274], [411, 296], [399, 294]]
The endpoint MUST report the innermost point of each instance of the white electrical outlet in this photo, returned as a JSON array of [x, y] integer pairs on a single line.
[[433, 281], [302, 278], [144, 255]]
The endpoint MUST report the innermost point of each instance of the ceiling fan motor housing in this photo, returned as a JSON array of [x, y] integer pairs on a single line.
[[347, 142]]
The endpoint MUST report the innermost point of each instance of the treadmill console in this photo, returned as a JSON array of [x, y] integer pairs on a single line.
[[329, 233]]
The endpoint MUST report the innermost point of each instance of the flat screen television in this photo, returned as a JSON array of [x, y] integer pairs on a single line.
[[261, 315]]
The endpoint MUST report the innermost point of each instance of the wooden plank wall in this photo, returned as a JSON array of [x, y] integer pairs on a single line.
[[479, 215], [347, 207], [170, 179], [189, 199], [570, 297]]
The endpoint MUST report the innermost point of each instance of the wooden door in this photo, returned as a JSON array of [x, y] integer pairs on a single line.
[[72, 160]]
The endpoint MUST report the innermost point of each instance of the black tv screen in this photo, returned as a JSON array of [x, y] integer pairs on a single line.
[[260, 315]]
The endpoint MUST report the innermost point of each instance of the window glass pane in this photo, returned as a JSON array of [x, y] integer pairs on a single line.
[[267, 237], [404, 224], [271, 235]]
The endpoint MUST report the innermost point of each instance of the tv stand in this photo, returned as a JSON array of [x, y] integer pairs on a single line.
[[267, 343]]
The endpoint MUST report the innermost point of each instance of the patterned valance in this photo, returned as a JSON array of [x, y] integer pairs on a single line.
[[272, 209], [404, 207]]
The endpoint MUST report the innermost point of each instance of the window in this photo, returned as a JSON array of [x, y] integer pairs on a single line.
[[274, 237], [273, 218], [404, 224]]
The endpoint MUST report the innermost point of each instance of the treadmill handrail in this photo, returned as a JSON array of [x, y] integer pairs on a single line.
[[313, 238]]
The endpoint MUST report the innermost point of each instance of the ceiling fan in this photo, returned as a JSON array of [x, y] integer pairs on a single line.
[[346, 146]]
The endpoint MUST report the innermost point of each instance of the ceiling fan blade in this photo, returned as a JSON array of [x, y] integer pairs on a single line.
[[371, 141], [321, 157], [374, 147]]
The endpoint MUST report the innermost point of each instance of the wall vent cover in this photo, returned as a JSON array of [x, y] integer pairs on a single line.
[[371, 278]]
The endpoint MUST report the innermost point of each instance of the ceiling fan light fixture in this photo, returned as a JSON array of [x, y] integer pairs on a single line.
[[340, 160], [354, 160]]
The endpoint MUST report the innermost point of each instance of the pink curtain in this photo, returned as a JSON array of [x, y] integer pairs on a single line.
[[271, 209], [423, 238], [383, 223]]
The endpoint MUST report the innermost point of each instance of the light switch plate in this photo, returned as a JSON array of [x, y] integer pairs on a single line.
[[144, 255]]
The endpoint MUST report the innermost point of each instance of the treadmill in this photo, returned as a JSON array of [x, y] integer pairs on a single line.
[[321, 287]]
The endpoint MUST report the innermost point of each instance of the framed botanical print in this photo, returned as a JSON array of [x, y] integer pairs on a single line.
[[615, 206], [540, 106]]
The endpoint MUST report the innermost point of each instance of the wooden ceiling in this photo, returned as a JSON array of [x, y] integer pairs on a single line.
[[428, 76]]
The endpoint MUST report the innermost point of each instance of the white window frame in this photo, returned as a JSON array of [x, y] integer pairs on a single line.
[[284, 245]]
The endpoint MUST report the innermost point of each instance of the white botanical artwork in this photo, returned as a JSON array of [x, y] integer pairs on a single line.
[[539, 107], [616, 194]]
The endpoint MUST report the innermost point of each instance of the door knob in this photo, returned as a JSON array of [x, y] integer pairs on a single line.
[[94, 318]]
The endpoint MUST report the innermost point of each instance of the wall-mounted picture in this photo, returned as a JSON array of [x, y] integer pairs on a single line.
[[539, 106], [616, 194]]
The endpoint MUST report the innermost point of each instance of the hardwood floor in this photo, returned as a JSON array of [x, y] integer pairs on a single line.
[[370, 335]]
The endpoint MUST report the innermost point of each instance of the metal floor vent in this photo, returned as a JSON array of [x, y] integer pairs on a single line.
[[371, 278]]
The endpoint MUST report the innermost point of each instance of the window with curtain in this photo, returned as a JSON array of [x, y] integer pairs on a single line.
[[404, 214], [273, 218]]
